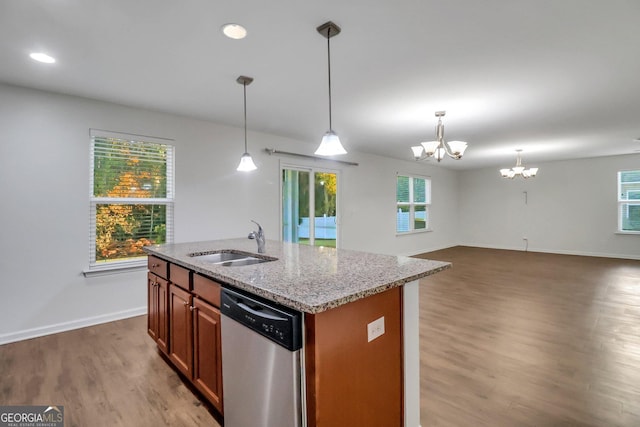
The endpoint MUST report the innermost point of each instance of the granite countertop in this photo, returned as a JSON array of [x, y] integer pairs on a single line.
[[306, 278]]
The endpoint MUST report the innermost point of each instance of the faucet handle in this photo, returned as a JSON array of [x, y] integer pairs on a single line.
[[259, 226]]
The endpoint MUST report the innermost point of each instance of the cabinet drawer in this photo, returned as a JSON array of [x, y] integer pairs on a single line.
[[157, 266], [207, 289], [180, 276]]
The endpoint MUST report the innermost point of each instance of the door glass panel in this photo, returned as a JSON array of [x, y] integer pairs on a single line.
[[326, 185], [295, 206]]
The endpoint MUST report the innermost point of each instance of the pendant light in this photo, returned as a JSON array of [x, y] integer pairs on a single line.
[[246, 162], [330, 145]]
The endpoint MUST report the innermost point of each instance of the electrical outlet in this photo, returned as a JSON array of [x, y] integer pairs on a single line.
[[375, 329]]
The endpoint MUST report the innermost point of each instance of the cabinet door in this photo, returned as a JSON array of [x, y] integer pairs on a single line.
[[207, 356], [180, 329], [162, 289], [157, 314], [152, 306]]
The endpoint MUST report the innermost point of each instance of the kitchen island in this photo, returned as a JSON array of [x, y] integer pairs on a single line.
[[351, 377]]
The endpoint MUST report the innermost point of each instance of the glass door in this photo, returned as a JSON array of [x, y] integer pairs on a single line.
[[309, 206]]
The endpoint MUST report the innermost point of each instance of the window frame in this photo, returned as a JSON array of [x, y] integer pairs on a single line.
[[412, 204], [134, 263], [624, 204]]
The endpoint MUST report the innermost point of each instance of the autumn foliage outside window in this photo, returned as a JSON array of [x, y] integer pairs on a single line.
[[131, 198]]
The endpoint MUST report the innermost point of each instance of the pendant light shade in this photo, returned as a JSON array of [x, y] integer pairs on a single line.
[[330, 144], [246, 162]]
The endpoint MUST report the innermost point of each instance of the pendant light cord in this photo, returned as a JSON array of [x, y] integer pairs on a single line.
[[244, 85], [329, 72]]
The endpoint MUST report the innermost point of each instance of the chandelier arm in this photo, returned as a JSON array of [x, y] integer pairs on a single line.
[[440, 137], [447, 150]]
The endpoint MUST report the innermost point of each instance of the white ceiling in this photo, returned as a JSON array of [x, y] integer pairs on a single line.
[[559, 79]]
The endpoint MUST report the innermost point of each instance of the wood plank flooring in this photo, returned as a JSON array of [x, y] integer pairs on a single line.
[[106, 375], [513, 338], [507, 339]]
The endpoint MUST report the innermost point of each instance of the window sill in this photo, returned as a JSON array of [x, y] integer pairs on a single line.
[[628, 233], [406, 233], [124, 267]]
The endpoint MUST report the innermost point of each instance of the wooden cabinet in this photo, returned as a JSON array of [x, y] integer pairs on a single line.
[[158, 266], [180, 329], [184, 320], [207, 355], [158, 304], [207, 350], [351, 381]]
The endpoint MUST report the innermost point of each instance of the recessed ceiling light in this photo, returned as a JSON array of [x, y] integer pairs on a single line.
[[42, 57], [234, 31]]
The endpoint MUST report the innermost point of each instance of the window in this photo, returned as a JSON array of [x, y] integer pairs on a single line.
[[413, 199], [131, 198], [629, 201]]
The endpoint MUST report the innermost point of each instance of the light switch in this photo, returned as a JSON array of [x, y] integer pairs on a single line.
[[375, 329]]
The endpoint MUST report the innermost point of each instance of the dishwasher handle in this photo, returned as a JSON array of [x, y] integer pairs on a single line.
[[277, 323], [259, 311]]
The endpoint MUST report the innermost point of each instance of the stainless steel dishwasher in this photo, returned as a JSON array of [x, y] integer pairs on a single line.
[[261, 344]]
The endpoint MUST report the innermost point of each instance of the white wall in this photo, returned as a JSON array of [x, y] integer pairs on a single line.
[[44, 175], [571, 208]]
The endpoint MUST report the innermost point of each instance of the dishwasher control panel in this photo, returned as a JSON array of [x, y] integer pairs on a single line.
[[271, 320]]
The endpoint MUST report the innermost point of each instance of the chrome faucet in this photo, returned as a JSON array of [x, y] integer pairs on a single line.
[[259, 236]]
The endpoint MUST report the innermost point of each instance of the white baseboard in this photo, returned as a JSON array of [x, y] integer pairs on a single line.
[[68, 326], [554, 251]]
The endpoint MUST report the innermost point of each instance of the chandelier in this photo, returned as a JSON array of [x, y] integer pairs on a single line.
[[518, 169], [438, 148]]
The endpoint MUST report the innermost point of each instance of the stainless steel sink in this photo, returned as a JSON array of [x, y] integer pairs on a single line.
[[244, 261], [219, 257], [230, 258]]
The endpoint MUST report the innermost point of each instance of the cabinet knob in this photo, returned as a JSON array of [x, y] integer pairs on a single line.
[[192, 308]]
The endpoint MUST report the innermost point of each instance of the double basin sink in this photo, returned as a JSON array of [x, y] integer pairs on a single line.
[[230, 258]]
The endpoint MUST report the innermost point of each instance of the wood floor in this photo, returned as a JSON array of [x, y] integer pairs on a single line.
[[527, 339], [507, 339], [110, 375]]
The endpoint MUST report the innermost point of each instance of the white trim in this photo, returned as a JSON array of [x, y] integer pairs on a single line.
[[115, 267], [71, 325], [408, 233], [127, 136], [553, 251], [411, 338]]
